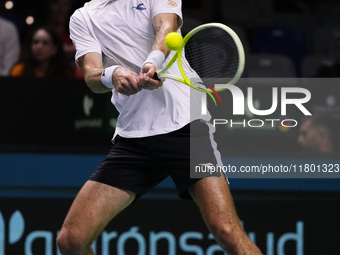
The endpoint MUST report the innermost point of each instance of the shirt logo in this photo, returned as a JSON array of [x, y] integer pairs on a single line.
[[172, 3], [139, 7]]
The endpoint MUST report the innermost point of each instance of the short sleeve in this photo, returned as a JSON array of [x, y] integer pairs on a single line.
[[81, 36], [167, 6]]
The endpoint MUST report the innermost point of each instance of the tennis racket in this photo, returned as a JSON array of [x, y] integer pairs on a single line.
[[212, 52]]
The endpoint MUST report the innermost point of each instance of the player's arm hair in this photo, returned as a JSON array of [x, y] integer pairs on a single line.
[[164, 23], [92, 67]]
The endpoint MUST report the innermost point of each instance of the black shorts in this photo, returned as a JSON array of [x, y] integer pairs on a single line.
[[139, 164]]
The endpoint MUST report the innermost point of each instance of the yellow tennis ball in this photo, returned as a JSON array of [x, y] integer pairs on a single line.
[[173, 41]]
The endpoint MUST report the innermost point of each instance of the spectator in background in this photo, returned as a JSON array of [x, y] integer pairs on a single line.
[[331, 71], [316, 134], [42, 56], [9, 46], [58, 16]]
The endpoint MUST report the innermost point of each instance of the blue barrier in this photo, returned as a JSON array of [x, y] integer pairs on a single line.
[[63, 174]]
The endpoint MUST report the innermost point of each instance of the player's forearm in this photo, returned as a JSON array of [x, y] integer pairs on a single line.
[[164, 23], [93, 81], [92, 69]]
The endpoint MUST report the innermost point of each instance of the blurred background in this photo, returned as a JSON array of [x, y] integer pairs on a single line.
[[54, 132]]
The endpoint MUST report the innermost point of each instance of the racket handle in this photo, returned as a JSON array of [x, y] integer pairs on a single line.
[[155, 77]]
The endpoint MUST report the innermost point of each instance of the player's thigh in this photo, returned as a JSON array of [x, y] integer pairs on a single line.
[[95, 205], [214, 200]]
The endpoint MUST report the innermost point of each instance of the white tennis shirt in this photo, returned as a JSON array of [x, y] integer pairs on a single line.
[[123, 32]]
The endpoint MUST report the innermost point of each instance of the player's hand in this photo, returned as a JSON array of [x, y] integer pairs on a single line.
[[125, 81], [145, 77]]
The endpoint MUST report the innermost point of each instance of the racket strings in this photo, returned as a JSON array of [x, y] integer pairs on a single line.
[[213, 55]]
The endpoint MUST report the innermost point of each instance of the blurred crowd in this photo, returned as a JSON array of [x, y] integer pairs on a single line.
[[291, 38], [41, 50], [318, 133], [281, 38]]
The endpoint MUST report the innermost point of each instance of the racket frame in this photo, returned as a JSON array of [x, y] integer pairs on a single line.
[[178, 56]]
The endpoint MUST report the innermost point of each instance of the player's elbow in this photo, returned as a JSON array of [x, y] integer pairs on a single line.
[[94, 83], [96, 87]]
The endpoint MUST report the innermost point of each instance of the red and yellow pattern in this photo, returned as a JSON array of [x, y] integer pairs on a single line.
[[172, 3]]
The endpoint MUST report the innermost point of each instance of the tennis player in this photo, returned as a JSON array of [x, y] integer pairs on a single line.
[[120, 44]]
